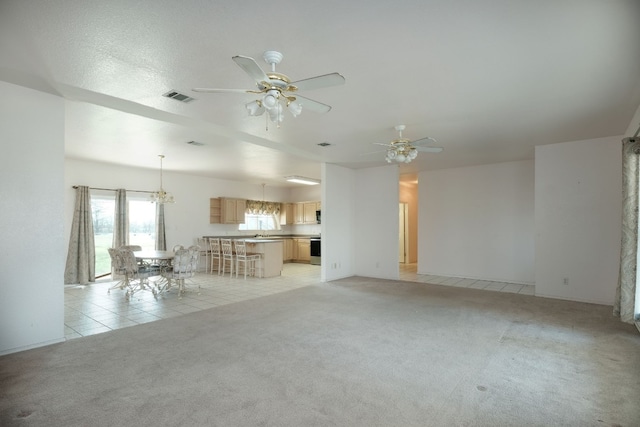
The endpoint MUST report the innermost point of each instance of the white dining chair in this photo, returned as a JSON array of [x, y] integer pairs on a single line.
[[136, 275], [184, 266]]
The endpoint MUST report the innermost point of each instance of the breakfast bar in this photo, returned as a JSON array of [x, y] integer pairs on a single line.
[[271, 252]]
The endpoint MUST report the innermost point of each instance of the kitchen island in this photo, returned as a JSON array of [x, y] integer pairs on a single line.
[[270, 251]]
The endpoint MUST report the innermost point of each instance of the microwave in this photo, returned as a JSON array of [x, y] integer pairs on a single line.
[[318, 216]]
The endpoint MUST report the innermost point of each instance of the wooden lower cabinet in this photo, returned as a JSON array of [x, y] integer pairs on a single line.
[[287, 250], [302, 250]]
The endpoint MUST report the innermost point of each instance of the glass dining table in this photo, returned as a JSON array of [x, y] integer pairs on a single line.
[[162, 259]]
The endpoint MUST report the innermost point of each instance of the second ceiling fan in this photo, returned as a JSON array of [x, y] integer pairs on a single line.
[[403, 150], [276, 89]]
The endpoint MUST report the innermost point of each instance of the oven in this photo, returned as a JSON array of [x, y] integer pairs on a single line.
[[315, 244]]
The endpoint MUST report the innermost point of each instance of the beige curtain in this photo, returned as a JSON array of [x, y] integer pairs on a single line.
[[121, 220], [257, 207], [81, 256], [626, 303], [161, 239]]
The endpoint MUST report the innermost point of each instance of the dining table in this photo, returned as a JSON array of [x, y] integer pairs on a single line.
[[163, 260], [161, 257]]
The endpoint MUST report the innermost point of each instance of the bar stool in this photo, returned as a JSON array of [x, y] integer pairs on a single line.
[[216, 254], [227, 255], [249, 260]]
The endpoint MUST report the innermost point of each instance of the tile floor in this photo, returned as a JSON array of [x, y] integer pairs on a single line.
[[91, 310]]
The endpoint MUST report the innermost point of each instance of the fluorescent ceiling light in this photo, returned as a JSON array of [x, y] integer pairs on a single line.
[[302, 180]]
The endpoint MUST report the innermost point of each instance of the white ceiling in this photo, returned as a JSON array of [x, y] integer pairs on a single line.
[[488, 79]]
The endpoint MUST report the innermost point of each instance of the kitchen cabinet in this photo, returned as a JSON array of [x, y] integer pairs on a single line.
[[215, 211], [233, 210], [287, 250], [286, 214], [302, 250], [305, 213]]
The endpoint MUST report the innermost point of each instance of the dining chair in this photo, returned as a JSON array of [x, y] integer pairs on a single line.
[[216, 254], [177, 247], [227, 255], [117, 270], [249, 260], [136, 276], [184, 266]]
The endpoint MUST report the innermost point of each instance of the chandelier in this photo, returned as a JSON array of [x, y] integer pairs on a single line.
[[161, 196], [401, 152]]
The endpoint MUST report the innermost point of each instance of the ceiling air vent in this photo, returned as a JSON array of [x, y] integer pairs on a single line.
[[199, 144], [178, 96]]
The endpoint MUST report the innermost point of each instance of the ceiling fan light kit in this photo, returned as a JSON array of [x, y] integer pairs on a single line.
[[277, 90], [402, 150]]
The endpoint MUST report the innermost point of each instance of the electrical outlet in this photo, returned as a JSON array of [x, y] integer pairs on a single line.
[[565, 281]]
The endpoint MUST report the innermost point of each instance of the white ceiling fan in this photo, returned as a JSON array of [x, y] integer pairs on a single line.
[[403, 150], [275, 89]]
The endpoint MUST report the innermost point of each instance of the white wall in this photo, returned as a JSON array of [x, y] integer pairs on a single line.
[[33, 252], [375, 233], [478, 222], [578, 201], [338, 221], [188, 217]]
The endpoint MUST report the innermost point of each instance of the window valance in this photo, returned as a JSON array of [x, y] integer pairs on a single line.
[[258, 207]]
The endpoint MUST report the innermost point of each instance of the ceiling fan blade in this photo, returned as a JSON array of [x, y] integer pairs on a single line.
[[311, 105], [380, 143], [252, 68], [424, 141], [327, 80], [429, 149], [212, 90]]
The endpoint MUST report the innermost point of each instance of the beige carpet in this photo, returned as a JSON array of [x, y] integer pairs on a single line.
[[355, 352]]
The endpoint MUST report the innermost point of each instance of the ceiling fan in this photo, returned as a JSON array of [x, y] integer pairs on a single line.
[[403, 150], [275, 89]]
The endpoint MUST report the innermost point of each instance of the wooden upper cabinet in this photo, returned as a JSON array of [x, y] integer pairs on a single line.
[[232, 210], [215, 211], [305, 212], [310, 213], [298, 213], [286, 214]]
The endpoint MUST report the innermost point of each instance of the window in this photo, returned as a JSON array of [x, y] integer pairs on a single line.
[[142, 227], [254, 222]]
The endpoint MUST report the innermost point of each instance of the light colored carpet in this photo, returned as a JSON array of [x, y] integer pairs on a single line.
[[355, 352]]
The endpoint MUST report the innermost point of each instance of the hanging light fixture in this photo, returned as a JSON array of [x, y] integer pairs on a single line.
[[161, 196], [401, 152]]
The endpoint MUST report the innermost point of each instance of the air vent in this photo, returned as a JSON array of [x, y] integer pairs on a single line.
[[324, 144], [178, 96], [199, 144]]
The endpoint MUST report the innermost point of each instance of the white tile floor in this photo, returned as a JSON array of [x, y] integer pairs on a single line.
[[91, 310], [408, 272]]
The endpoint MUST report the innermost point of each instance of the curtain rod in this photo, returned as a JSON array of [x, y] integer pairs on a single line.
[[112, 189]]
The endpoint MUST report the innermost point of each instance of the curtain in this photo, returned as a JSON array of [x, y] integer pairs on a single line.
[[625, 305], [257, 207], [81, 256], [121, 220], [161, 239]]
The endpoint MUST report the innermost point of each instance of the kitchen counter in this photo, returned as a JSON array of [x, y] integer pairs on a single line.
[[271, 252]]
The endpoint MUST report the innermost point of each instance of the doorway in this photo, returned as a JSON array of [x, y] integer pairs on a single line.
[[403, 233]]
